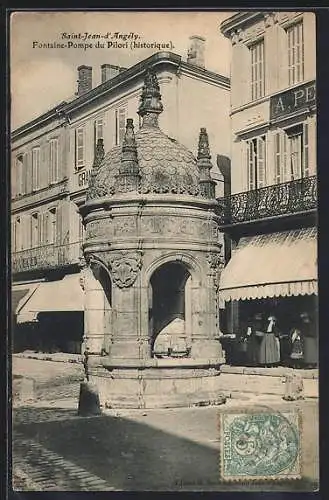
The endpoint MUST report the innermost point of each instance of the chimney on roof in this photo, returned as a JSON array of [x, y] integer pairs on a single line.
[[195, 53], [109, 71], [85, 79]]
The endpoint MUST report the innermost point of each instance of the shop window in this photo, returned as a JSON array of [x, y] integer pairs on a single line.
[[53, 145], [257, 70], [79, 148], [120, 125], [256, 162], [295, 40], [35, 169]]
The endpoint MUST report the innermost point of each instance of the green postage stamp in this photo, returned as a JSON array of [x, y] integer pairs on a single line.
[[260, 444]]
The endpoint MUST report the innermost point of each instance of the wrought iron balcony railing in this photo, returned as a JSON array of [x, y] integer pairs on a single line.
[[272, 201], [46, 257]]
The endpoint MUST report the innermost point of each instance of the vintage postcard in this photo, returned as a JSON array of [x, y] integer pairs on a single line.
[[164, 251]]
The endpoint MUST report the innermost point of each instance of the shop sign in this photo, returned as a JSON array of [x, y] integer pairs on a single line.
[[292, 100]]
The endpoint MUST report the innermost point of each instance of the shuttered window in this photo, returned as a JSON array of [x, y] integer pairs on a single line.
[[98, 131], [120, 125], [295, 37], [18, 241], [19, 175], [25, 173], [280, 157], [35, 230], [79, 148], [256, 162], [52, 225], [35, 169], [53, 159], [257, 70], [292, 153], [305, 151]]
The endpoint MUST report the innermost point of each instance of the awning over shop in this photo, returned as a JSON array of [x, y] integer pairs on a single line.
[[20, 294], [272, 265], [61, 295]]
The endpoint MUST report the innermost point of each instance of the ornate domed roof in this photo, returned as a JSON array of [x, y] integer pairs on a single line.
[[148, 161]]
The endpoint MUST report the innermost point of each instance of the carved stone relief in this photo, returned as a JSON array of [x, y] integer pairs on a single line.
[[99, 228], [125, 224], [171, 225], [216, 264], [124, 267]]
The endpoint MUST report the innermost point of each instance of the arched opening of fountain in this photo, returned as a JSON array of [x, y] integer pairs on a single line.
[[170, 310]]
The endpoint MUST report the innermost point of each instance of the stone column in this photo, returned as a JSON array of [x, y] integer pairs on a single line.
[[205, 336], [129, 340], [94, 311]]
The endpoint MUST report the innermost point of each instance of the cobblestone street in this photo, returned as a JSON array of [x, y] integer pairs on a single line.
[[169, 449]]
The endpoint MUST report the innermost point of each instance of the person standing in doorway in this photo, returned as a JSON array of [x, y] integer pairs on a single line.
[[269, 350], [310, 341], [255, 334]]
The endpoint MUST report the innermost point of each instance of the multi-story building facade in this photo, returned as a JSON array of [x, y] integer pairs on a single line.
[[270, 215], [52, 157]]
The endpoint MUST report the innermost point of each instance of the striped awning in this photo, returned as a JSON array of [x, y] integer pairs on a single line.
[[60, 295], [272, 265]]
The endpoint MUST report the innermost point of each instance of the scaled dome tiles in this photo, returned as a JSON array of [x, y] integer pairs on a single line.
[[165, 166]]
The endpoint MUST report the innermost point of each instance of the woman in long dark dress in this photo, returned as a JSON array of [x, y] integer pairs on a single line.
[[255, 334], [269, 349], [310, 341]]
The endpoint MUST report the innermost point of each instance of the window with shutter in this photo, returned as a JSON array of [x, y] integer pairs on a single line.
[[305, 151], [17, 245], [25, 173], [52, 228], [120, 125], [19, 175], [257, 70], [281, 157], [53, 160], [98, 130], [256, 162], [35, 168], [295, 39], [35, 230], [45, 230], [297, 152], [261, 174], [79, 148]]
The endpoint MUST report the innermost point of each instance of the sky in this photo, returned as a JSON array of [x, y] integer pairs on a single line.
[[42, 77]]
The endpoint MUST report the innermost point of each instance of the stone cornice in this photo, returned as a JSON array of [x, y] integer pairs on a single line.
[[142, 200], [117, 83], [239, 21]]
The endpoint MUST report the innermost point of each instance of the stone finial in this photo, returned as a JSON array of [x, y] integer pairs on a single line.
[[99, 153], [203, 147], [150, 102], [204, 164], [128, 177], [129, 142]]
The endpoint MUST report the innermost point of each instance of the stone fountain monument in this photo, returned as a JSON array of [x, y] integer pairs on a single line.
[[153, 258]]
